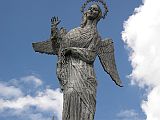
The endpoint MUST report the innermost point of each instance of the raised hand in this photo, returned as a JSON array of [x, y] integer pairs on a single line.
[[54, 21], [54, 30]]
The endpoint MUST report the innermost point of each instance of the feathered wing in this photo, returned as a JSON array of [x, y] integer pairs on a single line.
[[44, 47], [51, 46], [107, 59]]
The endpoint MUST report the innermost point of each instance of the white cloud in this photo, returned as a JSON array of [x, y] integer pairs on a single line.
[[32, 79], [40, 106], [152, 106], [142, 36], [128, 115], [9, 91]]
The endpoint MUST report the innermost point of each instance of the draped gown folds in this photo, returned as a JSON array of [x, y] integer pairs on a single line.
[[76, 74]]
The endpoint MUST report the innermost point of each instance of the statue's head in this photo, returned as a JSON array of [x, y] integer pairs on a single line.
[[94, 12]]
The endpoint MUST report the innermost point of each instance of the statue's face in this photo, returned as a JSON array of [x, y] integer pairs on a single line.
[[93, 12]]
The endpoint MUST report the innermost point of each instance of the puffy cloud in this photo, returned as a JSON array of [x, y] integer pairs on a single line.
[[40, 106], [46, 100], [142, 36], [152, 106], [32, 79], [9, 91], [128, 115]]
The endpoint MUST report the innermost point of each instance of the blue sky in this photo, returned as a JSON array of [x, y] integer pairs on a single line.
[[26, 73]]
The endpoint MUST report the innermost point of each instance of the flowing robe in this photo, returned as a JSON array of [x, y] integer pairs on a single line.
[[76, 73]]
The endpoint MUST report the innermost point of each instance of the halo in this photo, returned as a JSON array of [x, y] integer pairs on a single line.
[[101, 1]]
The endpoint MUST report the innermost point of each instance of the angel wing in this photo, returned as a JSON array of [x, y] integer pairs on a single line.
[[107, 59], [50, 46], [44, 47]]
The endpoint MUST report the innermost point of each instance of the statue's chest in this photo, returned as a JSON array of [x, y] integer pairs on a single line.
[[79, 37]]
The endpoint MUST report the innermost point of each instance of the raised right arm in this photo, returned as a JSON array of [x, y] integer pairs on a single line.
[[56, 34], [50, 46], [54, 29]]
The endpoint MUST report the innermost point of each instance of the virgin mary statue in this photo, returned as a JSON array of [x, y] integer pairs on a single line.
[[76, 51]]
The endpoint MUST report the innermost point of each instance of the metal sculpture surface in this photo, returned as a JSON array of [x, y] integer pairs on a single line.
[[76, 51]]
